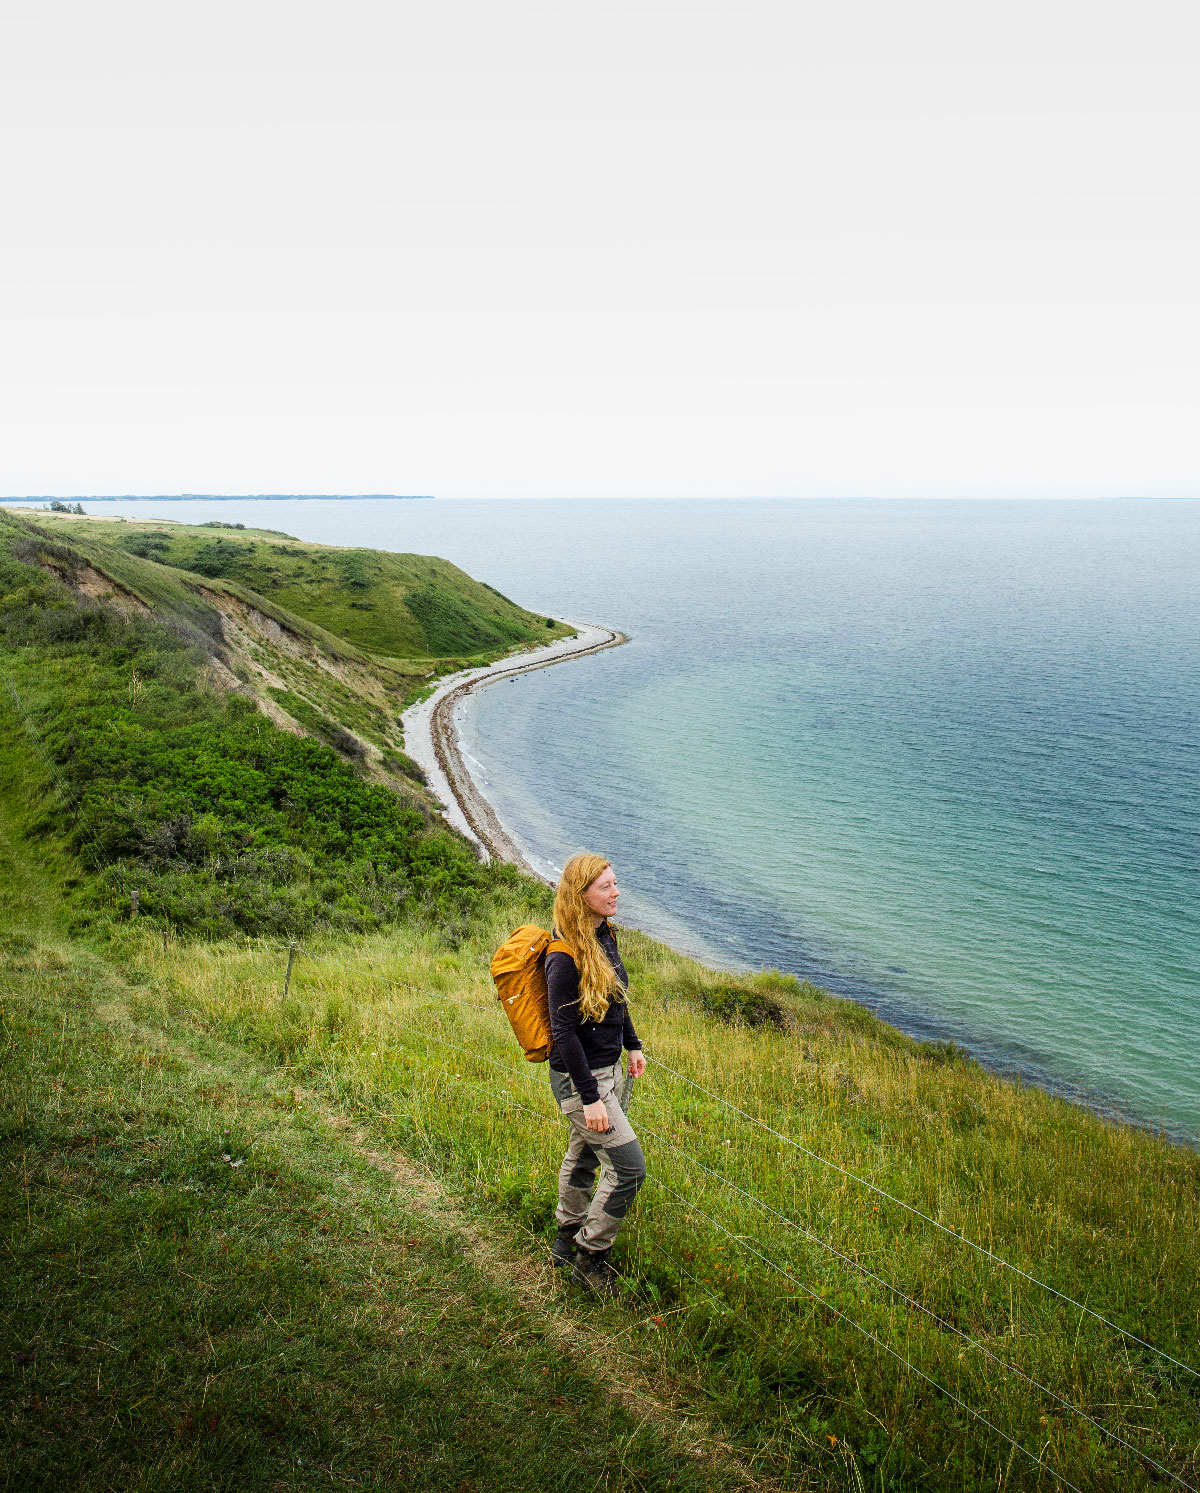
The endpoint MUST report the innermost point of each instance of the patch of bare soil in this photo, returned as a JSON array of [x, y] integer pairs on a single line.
[[94, 584]]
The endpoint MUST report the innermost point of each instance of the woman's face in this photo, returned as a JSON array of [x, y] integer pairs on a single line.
[[601, 895]]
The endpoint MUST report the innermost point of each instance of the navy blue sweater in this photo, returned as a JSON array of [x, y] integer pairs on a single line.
[[580, 1046]]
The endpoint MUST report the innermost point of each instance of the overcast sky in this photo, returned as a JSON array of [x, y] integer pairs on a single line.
[[651, 248]]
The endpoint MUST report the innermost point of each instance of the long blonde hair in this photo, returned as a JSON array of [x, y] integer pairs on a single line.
[[598, 981]]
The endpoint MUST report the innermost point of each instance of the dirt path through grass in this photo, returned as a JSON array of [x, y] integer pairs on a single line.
[[537, 1288]]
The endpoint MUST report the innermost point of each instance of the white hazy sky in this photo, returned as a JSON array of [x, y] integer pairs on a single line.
[[653, 248]]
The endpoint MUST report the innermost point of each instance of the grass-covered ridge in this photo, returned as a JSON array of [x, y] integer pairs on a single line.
[[149, 1279], [397, 606]]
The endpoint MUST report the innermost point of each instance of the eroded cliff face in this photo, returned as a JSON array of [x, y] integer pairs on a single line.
[[306, 683]]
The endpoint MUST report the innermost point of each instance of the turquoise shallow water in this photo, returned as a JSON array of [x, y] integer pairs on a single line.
[[942, 757]]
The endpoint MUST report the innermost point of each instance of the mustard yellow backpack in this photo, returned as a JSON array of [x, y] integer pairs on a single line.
[[519, 970]]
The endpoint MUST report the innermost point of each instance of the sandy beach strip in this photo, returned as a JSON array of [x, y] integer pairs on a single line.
[[431, 736]]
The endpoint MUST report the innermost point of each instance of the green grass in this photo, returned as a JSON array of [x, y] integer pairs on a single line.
[[316, 1315], [1105, 1214], [207, 1286]]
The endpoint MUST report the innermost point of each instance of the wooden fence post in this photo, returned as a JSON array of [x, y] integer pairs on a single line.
[[287, 978], [626, 1091]]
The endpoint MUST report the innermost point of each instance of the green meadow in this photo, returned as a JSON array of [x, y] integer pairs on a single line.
[[269, 1234]]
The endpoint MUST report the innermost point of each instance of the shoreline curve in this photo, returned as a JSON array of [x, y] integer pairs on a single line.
[[431, 737]]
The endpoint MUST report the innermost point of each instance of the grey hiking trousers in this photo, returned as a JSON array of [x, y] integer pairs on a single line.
[[615, 1152]]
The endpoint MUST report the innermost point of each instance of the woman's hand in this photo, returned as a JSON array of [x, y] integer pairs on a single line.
[[596, 1116], [637, 1063]]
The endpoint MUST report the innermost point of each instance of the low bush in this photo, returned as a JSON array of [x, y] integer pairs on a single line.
[[217, 557], [145, 546], [308, 715], [743, 1006], [762, 1000], [402, 763]]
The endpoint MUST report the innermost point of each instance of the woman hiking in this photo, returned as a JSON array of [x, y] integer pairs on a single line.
[[590, 1023]]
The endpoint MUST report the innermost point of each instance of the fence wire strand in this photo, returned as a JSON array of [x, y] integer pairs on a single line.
[[867, 1333], [920, 1307], [950, 1233]]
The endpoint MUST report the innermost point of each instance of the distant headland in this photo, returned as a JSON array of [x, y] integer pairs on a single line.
[[226, 497]]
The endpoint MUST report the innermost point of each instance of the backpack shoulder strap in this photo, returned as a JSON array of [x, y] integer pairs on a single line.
[[559, 946]]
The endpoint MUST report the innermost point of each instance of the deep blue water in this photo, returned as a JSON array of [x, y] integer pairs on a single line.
[[942, 757]]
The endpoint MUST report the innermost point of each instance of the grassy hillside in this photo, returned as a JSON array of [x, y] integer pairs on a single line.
[[364, 1299], [397, 606], [317, 680]]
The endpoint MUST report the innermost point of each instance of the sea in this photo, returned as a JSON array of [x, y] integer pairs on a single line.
[[942, 758]]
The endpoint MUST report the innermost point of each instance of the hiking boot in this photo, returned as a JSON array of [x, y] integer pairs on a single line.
[[593, 1271], [562, 1251]]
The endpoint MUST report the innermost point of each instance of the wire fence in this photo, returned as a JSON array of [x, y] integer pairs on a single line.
[[680, 1202], [953, 1234], [723, 1306], [770, 1263], [933, 1222]]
